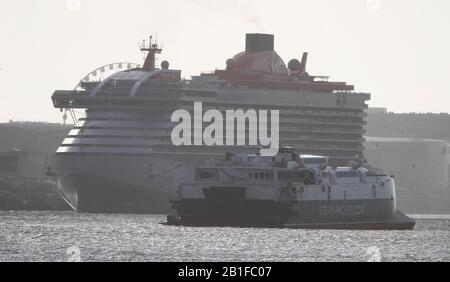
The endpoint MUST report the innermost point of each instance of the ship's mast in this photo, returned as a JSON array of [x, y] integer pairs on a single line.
[[152, 50]]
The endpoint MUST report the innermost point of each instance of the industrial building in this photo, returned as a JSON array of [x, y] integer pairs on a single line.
[[421, 168]]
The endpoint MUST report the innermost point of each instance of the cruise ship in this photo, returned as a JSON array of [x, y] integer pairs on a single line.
[[119, 157]]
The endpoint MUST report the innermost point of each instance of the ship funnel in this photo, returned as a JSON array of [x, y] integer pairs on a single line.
[[303, 63], [257, 42]]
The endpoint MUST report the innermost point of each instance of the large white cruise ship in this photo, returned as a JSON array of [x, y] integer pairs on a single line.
[[119, 157]]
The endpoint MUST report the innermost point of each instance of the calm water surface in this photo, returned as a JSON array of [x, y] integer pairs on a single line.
[[46, 236]]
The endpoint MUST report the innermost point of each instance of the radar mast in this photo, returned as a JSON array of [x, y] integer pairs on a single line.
[[152, 50]]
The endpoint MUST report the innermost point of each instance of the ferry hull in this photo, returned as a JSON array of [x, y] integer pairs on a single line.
[[378, 214], [344, 210], [397, 221], [250, 213], [270, 212]]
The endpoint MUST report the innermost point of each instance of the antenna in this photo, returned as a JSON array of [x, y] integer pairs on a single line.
[[152, 50]]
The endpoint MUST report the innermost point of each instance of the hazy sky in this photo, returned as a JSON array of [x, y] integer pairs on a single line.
[[398, 50]]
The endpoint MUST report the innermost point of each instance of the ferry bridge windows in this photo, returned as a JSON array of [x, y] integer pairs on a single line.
[[347, 174], [261, 175], [300, 175], [206, 174], [348, 177]]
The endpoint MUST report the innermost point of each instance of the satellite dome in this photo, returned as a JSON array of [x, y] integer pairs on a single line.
[[165, 65], [294, 65]]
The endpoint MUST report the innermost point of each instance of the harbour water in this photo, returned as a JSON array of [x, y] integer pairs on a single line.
[[47, 236]]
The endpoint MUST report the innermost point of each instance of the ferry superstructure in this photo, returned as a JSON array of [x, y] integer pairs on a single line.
[[120, 156]]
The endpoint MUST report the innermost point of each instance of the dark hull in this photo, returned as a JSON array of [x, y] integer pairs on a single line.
[[91, 194], [397, 221], [359, 214], [344, 210], [225, 213]]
